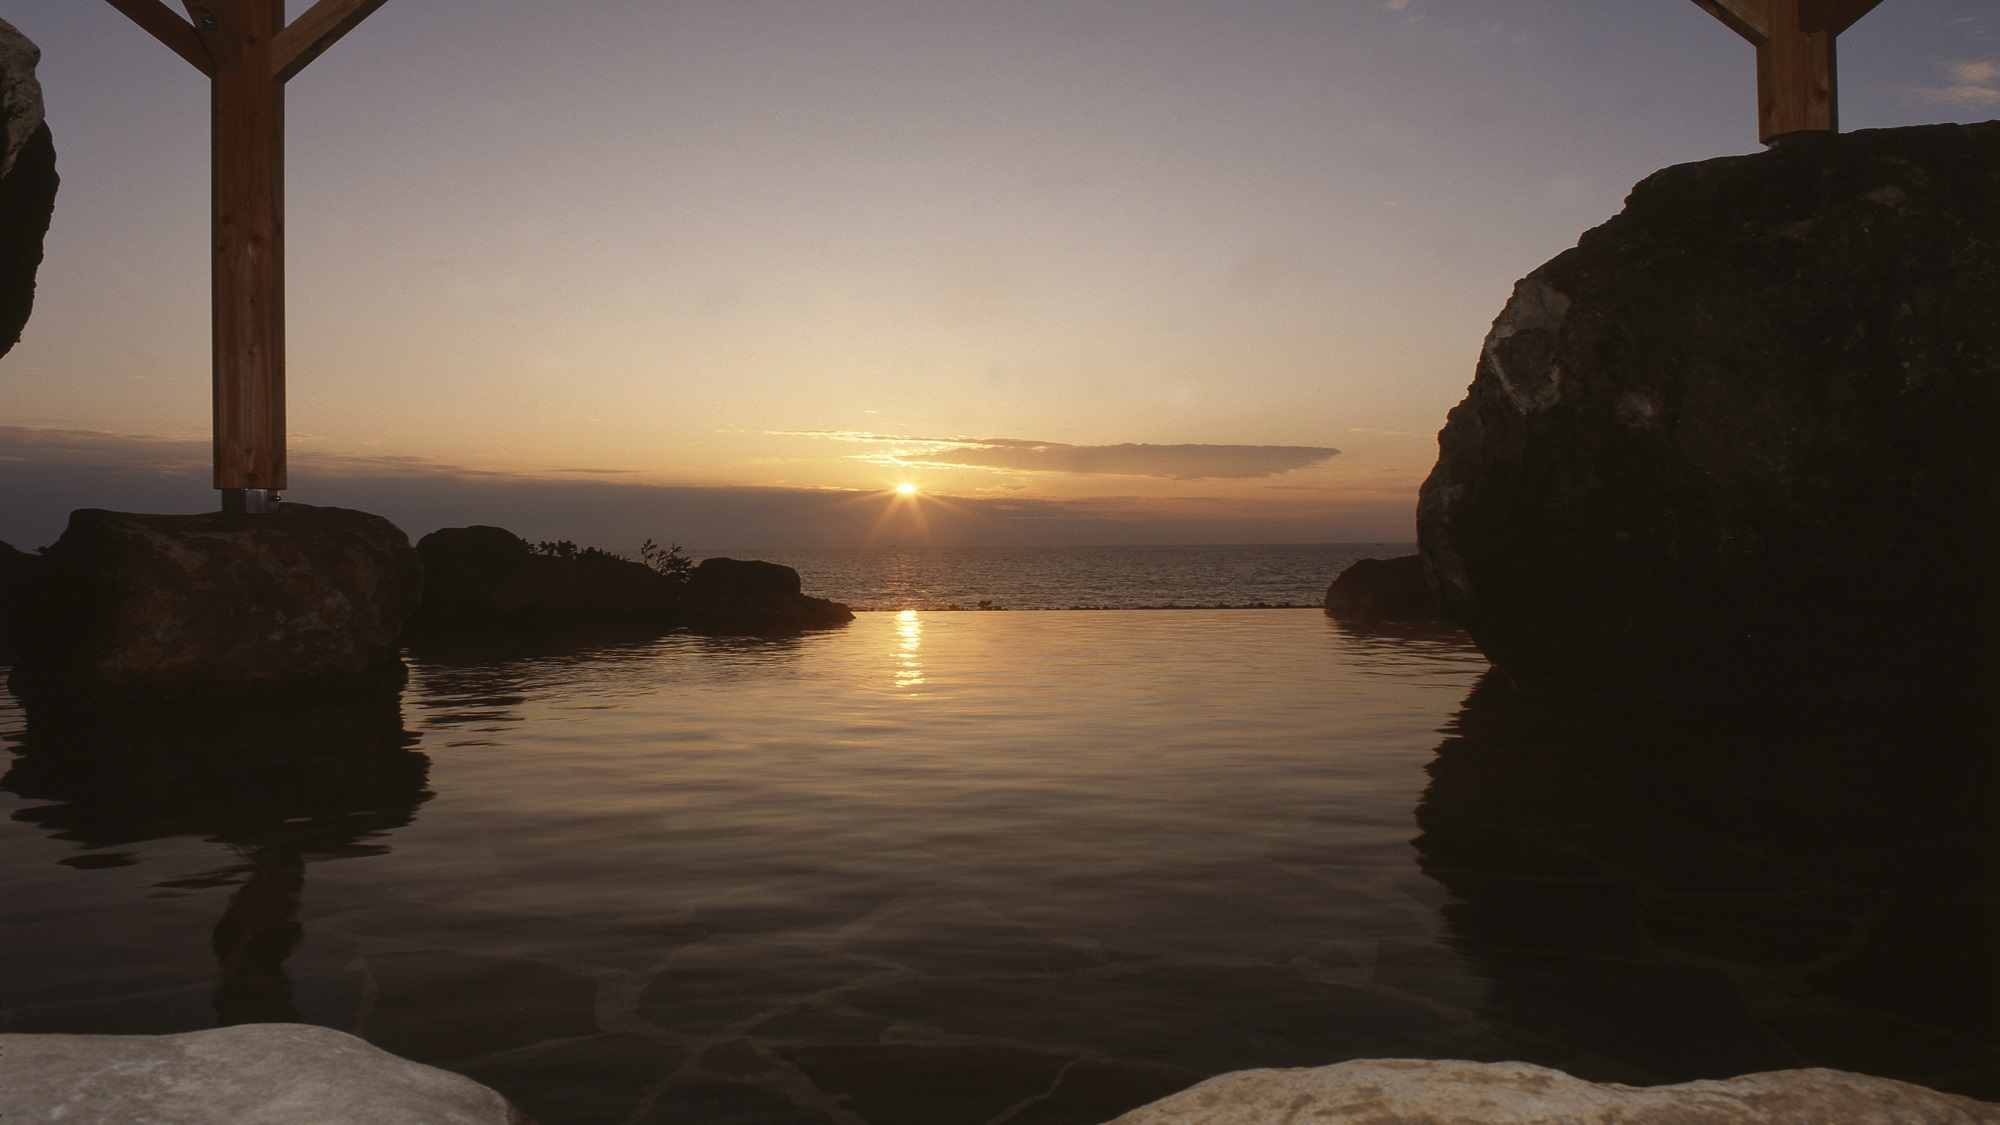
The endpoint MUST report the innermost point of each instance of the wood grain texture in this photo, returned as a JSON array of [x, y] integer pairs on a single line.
[[218, 26], [1795, 75], [1749, 18], [319, 28], [1839, 15], [248, 265], [1797, 91], [163, 24]]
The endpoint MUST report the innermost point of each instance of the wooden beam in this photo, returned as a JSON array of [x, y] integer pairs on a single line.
[[248, 185], [1795, 76], [1749, 18], [220, 28], [1796, 88], [319, 28], [1837, 16], [162, 24]]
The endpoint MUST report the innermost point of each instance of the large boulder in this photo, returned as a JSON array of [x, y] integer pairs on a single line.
[[27, 181], [255, 1074], [159, 607], [1383, 590], [1449, 1092], [484, 585], [1747, 427], [15, 569], [488, 583], [753, 596]]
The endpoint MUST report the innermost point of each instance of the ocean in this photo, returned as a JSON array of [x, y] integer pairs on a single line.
[[1199, 577], [1025, 867]]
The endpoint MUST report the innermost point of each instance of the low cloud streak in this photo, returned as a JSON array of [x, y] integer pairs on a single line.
[[1969, 85], [1022, 455], [46, 473]]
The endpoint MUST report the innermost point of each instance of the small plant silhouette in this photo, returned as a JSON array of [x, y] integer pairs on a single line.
[[667, 562]]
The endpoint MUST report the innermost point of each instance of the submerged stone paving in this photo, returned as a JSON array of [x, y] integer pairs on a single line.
[[843, 1028], [1665, 919], [851, 1024]]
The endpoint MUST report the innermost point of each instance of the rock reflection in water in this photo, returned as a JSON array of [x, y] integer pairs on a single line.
[[1091, 860], [1661, 897], [282, 783]]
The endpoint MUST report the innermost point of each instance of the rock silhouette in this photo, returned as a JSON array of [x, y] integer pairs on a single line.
[[749, 595], [1743, 432], [1383, 590], [487, 581], [16, 568], [28, 181], [486, 585]]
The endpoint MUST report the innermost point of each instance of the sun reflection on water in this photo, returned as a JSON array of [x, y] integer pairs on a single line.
[[910, 631]]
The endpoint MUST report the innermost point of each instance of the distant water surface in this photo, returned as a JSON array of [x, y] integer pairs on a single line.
[[931, 578]]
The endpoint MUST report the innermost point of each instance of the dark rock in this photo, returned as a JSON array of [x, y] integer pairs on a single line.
[[752, 596], [486, 582], [27, 181], [16, 567], [216, 604], [1745, 429], [742, 578], [1384, 590], [486, 585]]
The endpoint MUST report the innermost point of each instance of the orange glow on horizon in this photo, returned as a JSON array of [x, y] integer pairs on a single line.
[[905, 505]]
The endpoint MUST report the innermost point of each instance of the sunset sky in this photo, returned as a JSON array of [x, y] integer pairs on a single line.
[[727, 273]]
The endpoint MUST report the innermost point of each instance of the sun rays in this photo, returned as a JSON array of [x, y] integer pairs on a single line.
[[900, 515]]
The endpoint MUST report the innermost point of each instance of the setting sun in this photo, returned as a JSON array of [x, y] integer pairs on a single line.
[[907, 489]]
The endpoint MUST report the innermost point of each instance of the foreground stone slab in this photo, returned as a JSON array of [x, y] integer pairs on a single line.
[[1449, 1092], [255, 1074], [214, 605], [1743, 433]]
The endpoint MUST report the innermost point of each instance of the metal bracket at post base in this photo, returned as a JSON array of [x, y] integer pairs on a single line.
[[249, 501]]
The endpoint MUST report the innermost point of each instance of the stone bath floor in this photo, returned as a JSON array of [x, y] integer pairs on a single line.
[[728, 1014], [1702, 902]]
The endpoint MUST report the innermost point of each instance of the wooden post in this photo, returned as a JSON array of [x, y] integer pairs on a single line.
[[247, 105], [248, 53], [1797, 95]]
